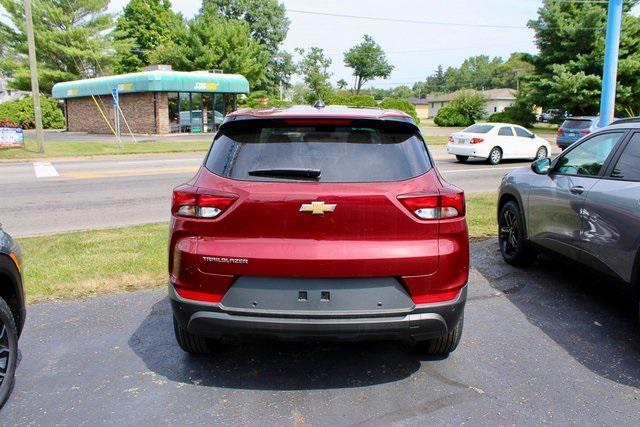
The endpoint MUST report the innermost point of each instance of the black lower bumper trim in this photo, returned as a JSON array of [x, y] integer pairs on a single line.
[[424, 322]]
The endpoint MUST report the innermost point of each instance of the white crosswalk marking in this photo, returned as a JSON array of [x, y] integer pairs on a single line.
[[44, 170]]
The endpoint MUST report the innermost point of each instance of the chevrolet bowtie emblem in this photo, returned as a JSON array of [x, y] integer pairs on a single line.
[[317, 208]]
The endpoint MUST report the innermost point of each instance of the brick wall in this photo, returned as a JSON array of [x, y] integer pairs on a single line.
[[84, 116]]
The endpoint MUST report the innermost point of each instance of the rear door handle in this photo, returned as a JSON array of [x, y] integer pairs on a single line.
[[578, 189]]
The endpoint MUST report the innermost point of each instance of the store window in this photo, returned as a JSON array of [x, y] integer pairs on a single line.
[[199, 112], [174, 112]]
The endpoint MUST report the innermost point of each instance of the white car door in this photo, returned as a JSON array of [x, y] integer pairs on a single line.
[[505, 138], [527, 144]]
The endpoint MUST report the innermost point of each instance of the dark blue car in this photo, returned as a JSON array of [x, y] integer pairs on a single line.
[[574, 128]]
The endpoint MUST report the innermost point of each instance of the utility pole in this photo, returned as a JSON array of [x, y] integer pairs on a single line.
[[33, 67], [610, 69]]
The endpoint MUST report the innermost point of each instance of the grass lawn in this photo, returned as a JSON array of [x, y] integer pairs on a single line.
[[79, 264], [437, 140], [94, 148]]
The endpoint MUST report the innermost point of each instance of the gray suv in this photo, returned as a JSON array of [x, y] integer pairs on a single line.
[[584, 204]]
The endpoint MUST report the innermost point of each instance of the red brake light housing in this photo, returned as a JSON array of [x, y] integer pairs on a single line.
[[188, 202], [476, 140], [560, 131], [450, 138], [449, 203], [585, 132]]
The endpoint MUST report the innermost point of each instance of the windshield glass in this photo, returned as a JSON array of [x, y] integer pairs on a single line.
[[576, 124], [364, 152]]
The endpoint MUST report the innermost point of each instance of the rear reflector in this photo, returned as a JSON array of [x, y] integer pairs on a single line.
[[197, 295], [188, 203], [436, 297], [448, 204]]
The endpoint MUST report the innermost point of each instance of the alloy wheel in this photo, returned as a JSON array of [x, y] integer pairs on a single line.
[[5, 353], [496, 156], [509, 232], [541, 154]]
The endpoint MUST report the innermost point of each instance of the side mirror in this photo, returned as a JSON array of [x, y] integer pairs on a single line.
[[541, 166]]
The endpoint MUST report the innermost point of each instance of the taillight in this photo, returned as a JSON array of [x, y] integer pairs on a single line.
[[448, 204], [188, 203], [476, 140], [560, 131], [450, 138], [585, 132]]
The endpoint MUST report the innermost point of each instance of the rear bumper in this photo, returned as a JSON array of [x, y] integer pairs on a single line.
[[475, 150], [424, 321]]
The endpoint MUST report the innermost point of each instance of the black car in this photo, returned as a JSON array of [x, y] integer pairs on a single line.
[[12, 311]]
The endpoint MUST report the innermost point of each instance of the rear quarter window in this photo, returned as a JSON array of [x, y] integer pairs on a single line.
[[366, 151]]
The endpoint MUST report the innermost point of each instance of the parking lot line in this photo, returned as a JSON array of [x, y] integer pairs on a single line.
[[44, 170]]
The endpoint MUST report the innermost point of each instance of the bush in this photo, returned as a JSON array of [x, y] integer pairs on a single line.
[[516, 114], [4, 122], [21, 112], [450, 117], [465, 109], [401, 105], [351, 100]]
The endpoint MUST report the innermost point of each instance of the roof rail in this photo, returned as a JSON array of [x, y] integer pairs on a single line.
[[626, 120]]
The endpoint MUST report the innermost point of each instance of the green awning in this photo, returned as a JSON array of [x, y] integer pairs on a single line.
[[153, 81]]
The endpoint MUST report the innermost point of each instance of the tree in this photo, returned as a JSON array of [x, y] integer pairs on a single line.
[[268, 24], [71, 39], [465, 109], [342, 84], [401, 105], [568, 69], [368, 61], [210, 42], [314, 69], [477, 72], [143, 27], [267, 19]]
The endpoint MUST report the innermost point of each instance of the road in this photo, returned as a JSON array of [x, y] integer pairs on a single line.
[[66, 195], [544, 345]]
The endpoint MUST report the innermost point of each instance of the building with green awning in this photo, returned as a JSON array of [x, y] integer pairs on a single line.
[[155, 101]]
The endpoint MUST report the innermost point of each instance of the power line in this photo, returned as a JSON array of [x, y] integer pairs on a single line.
[[443, 49], [407, 21], [441, 23]]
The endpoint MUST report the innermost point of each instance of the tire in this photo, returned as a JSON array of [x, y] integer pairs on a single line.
[[190, 343], [443, 345], [514, 247], [462, 159], [8, 351], [495, 156], [542, 153]]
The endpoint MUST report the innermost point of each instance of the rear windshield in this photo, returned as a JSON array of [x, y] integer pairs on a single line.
[[576, 124], [478, 129], [370, 151]]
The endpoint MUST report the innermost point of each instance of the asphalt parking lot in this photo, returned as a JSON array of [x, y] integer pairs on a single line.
[[542, 345]]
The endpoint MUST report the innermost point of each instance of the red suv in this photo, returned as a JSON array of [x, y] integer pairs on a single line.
[[328, 222]]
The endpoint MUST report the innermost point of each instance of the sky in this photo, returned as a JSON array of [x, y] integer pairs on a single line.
[[415, 49]]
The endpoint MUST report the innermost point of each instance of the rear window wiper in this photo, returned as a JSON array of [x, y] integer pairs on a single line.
[[292, 173]]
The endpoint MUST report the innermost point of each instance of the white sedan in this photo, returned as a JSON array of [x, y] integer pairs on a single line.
[[497, 141]]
